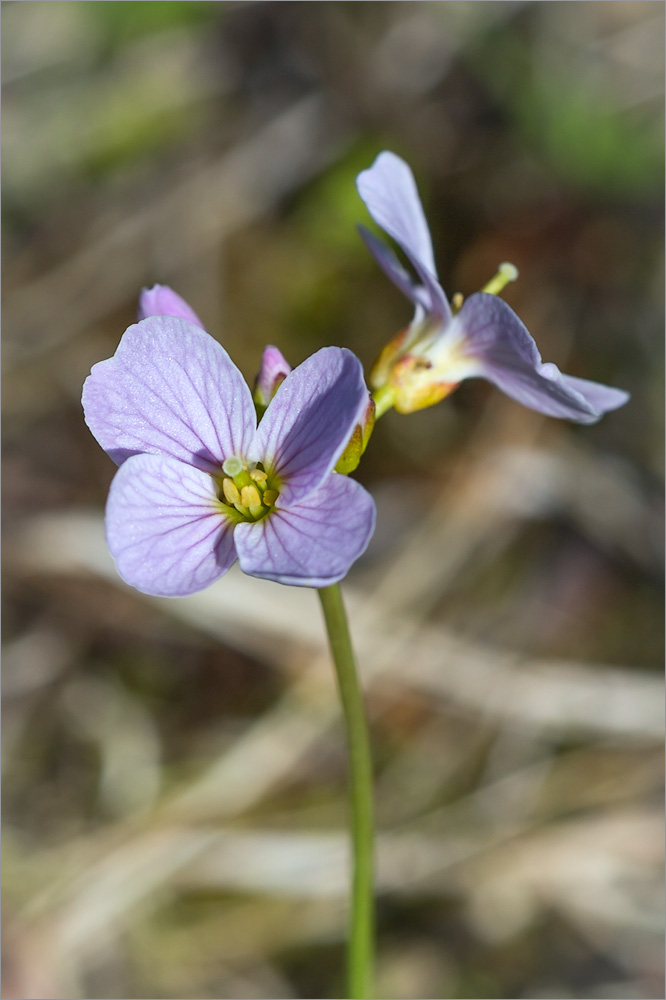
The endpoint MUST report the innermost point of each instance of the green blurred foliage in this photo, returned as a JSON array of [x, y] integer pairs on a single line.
[[588, 132]]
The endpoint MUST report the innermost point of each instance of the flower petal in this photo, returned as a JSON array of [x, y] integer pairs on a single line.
[[509, 357], [160, 300], [164, 527], [170, 389], [313, 543], [310, 420], [389, 192], [602, 397], [394, 270]]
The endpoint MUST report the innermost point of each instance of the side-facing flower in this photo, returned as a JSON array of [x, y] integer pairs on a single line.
[[200, 485], [440, 348]]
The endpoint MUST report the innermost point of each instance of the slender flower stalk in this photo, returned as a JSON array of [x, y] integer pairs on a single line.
[[361, 934], [384, 398], [201, 484]]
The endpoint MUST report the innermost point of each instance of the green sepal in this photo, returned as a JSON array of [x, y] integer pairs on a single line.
[[259, 399], [358, 442]]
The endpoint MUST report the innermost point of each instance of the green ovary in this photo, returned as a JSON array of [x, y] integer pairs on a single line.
[[246, 494]]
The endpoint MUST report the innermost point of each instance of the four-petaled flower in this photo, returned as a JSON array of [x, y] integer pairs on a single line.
[[199, 484], [484, 339]]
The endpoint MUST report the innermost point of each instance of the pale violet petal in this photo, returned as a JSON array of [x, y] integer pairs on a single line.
[[394, 270], [170, 389], [603, 398], [164, 527], [160, 300], [310, 420], [313, 543], [389, 191], [509, 358]]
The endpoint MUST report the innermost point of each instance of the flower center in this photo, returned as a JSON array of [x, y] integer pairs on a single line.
[[247, 494]]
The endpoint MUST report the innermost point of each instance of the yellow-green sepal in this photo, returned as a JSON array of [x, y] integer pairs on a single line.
[[358, 442]]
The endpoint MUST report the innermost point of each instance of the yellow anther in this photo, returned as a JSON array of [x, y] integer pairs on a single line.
[[457, 301], [250, 496], [231, 492], [258, 476], [270, 496]]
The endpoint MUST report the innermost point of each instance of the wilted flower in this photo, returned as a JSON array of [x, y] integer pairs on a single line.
[[484, 339], [200, 485]]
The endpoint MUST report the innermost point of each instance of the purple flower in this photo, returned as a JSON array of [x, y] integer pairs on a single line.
[[485, 339], [200, 485]]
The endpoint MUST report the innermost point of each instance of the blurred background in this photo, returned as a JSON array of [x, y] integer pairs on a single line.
[[174, 771]]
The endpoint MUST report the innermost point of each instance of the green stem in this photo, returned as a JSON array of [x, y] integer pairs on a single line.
[[361, 940], [384, 399]]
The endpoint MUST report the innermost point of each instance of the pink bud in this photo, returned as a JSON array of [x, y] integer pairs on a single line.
[[160, 300], [274, 370]]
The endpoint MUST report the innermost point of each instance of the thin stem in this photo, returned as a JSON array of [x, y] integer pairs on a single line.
[[361, 939], [384, 399]]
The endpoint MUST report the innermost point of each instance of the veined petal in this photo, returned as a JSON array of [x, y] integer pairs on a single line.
[[389, 191], [509, 357], [313, 543], [492, 330], [603, 398], [160, 300], [310, 420], [170, 389], [164, 527]]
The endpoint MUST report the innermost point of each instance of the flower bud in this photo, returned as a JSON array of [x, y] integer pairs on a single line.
[[160, 300], [274, 370]]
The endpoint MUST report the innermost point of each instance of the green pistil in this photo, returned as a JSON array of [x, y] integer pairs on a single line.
[[246, 494], [232, 466], [506, 273], [236, 471]]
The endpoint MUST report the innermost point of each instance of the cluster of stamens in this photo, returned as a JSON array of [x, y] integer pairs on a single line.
[[248, 492]]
